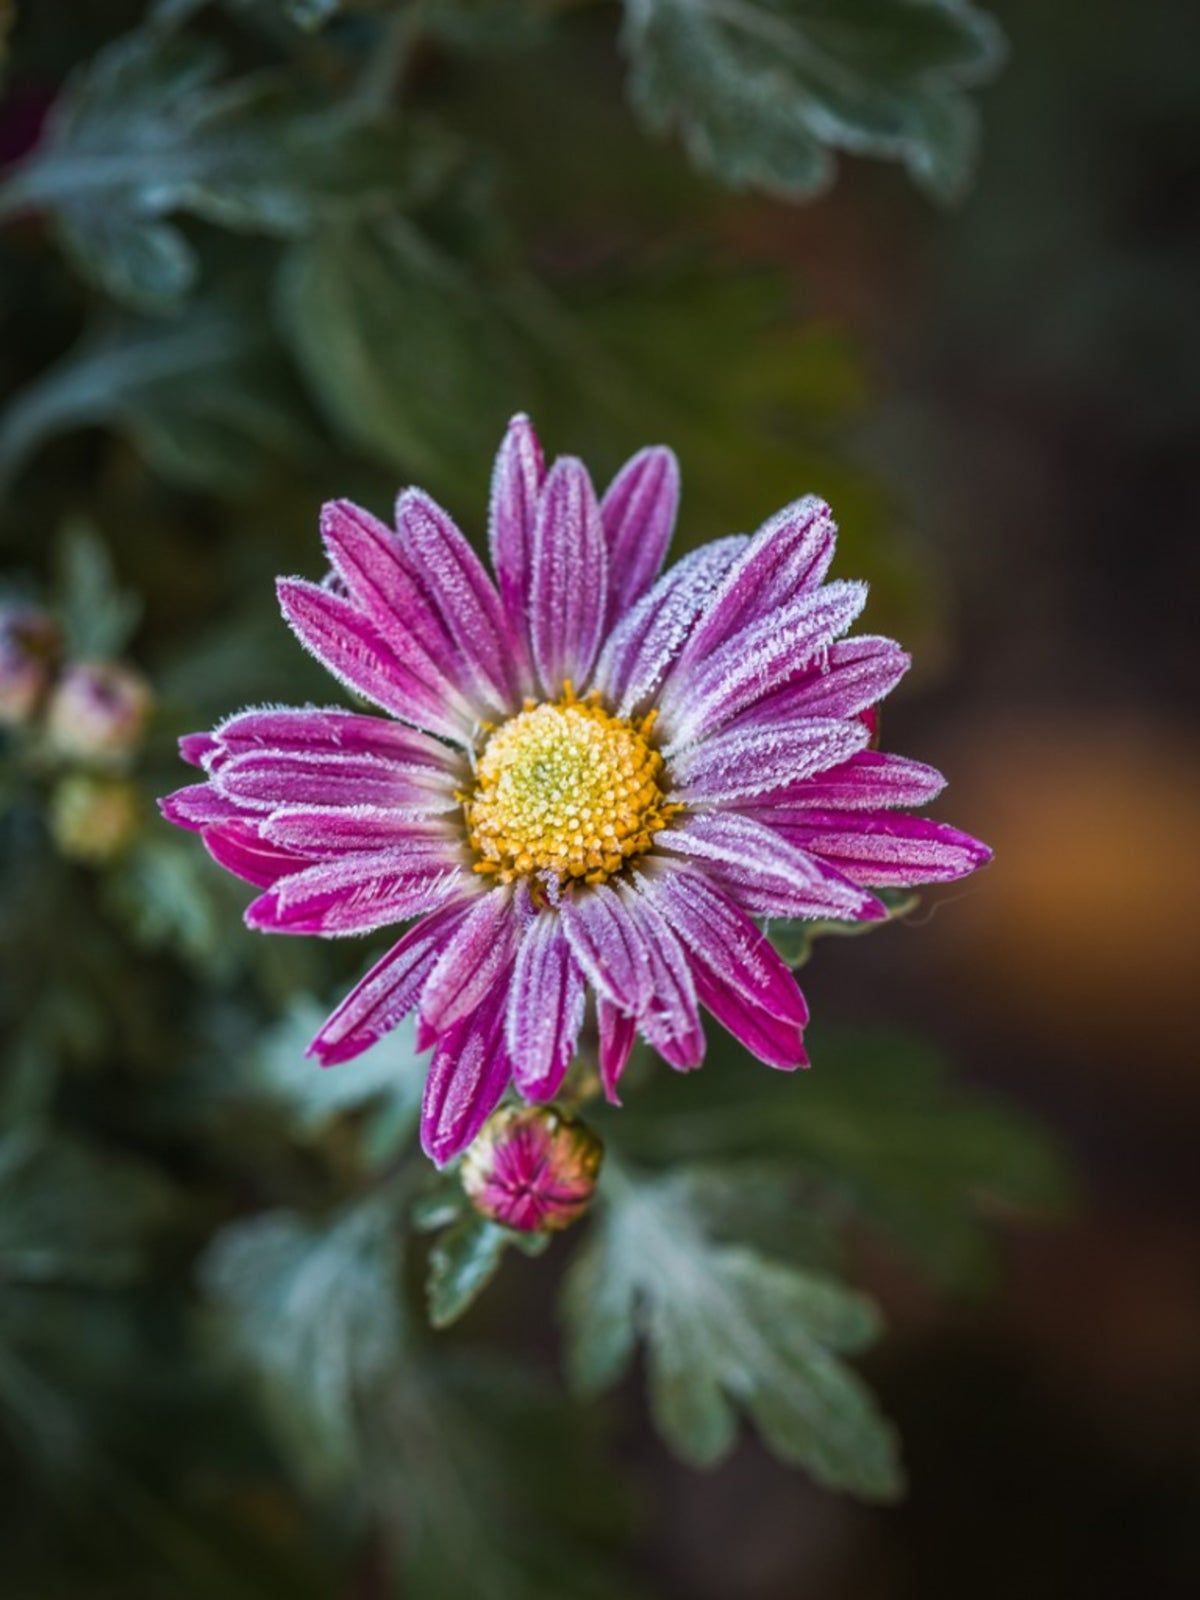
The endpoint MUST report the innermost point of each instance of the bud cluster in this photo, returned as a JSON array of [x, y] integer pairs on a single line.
[[30, 646], [83, 721]]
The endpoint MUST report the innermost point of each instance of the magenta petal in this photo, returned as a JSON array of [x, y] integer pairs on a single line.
[[475, 958], [788, 557], [847, 679], [263, 779], [720, 935], [240, 848], [393, 673], [670, 1020], [568, 578], [468, 1075], [355, 894], [634, 961], [545, 1008], [369, 559], [389, 991], [457, 585], [749, 763], [516, 484], [196, 806], [606, 947], [780, 1044], [193, 747], [302, 730], [323, 832], [641, 649], [869, 781], [737, 973], [756, 867], [638, 514], [888, 848], [710, 691], [618, 1031]]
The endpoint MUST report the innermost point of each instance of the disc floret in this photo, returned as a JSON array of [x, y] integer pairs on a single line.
[[566, 790]]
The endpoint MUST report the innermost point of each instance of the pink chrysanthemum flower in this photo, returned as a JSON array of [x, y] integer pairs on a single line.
[[597, 778]]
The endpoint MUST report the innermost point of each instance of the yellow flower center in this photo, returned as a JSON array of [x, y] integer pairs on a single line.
[[565, 788]]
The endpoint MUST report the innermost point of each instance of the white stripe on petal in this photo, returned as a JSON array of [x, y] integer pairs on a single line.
[[745, 763], [648, 639], [711, 692], [762, 872]]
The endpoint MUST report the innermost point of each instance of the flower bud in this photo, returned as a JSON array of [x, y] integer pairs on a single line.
[[29, 645], [532, 1168], [93, 818], [98, 711]]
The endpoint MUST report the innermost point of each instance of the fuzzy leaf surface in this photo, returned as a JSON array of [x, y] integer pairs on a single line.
[[763, 91], [150, 128], [726, 1330], [465, 1258], [310, 1310], [399, 349]]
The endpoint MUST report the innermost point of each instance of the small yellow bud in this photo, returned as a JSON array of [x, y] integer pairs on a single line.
[[94, 819]]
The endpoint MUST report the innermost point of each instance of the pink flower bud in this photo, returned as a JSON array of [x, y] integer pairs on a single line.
[[98, 711], [532, 1168], [29, 646]]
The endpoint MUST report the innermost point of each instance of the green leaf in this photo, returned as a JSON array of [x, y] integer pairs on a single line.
[[465, 1259], [310, 1309], [148, 129], [726, 1330], [401, 352], [205, 397], [763, 90], [769, 1205], [98, 616], [462, 1262], [794, 937]]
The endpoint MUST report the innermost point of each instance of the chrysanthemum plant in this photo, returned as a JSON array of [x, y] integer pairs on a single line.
[[573, 804], [582, 796]]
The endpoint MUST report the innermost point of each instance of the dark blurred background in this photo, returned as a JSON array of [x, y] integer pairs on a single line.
[[1035, 359], [1004, 415]]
